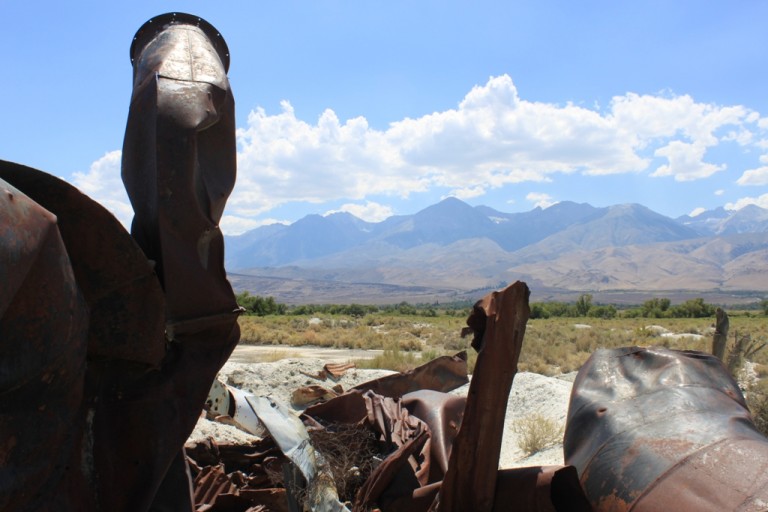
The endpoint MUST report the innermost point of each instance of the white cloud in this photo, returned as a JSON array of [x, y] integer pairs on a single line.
[[742, 137], [697, 211], [761, 201], [283, 159], [492, 138], [370, 211], [685, 161], [719, 192], [541, 200], [757, 176], [653, 117], [103, 184], [233, 225], [466, 192], [686, 128]]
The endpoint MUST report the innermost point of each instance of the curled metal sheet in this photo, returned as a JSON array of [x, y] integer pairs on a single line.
[[444, 373], [656, 429], [291, 436], [442, 412], [230, 478]]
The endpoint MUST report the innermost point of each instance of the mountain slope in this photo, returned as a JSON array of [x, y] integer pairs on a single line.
[[453, 246], [750, 219], [517, 230], [734, 262], [443, 223], [616, 226], [311, 237]]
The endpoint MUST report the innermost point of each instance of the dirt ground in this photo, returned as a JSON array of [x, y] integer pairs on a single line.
[[261, 353]]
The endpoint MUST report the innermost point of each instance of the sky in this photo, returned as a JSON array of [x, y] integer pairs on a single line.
[[384, 108]]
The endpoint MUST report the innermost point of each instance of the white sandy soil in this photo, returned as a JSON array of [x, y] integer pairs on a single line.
[[531, 393]]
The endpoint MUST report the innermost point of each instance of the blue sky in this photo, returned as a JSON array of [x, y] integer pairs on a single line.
[[382, 108]]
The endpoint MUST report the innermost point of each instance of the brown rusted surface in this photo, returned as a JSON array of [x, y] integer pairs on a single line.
[[442, 412], [307, 395], [441, 374], [720, 336], [109, 267], [103, 419], [540, 489], [336, 370], [470, 483], [393, 479], [331, 371], [657, 429], [43, 339], [236, 477], [179, 161]]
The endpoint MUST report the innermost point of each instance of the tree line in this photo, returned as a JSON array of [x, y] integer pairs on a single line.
[[652, 308], [584, 306]]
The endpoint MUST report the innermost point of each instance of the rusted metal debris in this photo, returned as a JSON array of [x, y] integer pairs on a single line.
[[179, 161], [657, 429], [442, 374], [95, 409], [331, 371], [498, 322], [43, 340], [416, 425]]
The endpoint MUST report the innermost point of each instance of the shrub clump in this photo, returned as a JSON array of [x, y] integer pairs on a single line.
[[537, 432]]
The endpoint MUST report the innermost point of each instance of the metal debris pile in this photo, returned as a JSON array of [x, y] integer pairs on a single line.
[[349, 435], [385, 444]]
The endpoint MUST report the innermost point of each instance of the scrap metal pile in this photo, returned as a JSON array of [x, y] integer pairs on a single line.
[[109, 344], [392, 443]]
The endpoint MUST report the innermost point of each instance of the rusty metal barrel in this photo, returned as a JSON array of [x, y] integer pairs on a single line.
[[653, 429]]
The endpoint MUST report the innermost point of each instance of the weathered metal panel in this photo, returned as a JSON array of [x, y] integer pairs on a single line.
[[657, 429], [179, 161], [498, 322], [540, 489], [110, 269], [444, 373], [117, 416], [43, 338]]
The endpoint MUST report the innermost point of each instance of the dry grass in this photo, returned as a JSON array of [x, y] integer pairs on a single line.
[[276, 355], [552, 346], [537, 432]]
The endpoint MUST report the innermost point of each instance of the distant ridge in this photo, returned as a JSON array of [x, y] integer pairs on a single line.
[[452, 248]]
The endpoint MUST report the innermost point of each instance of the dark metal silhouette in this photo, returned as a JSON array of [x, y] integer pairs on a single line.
[[109, 346]]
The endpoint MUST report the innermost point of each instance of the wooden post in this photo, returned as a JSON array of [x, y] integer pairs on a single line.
[[720, 338]]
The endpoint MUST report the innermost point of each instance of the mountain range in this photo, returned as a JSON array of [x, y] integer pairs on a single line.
[[454, 251]]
